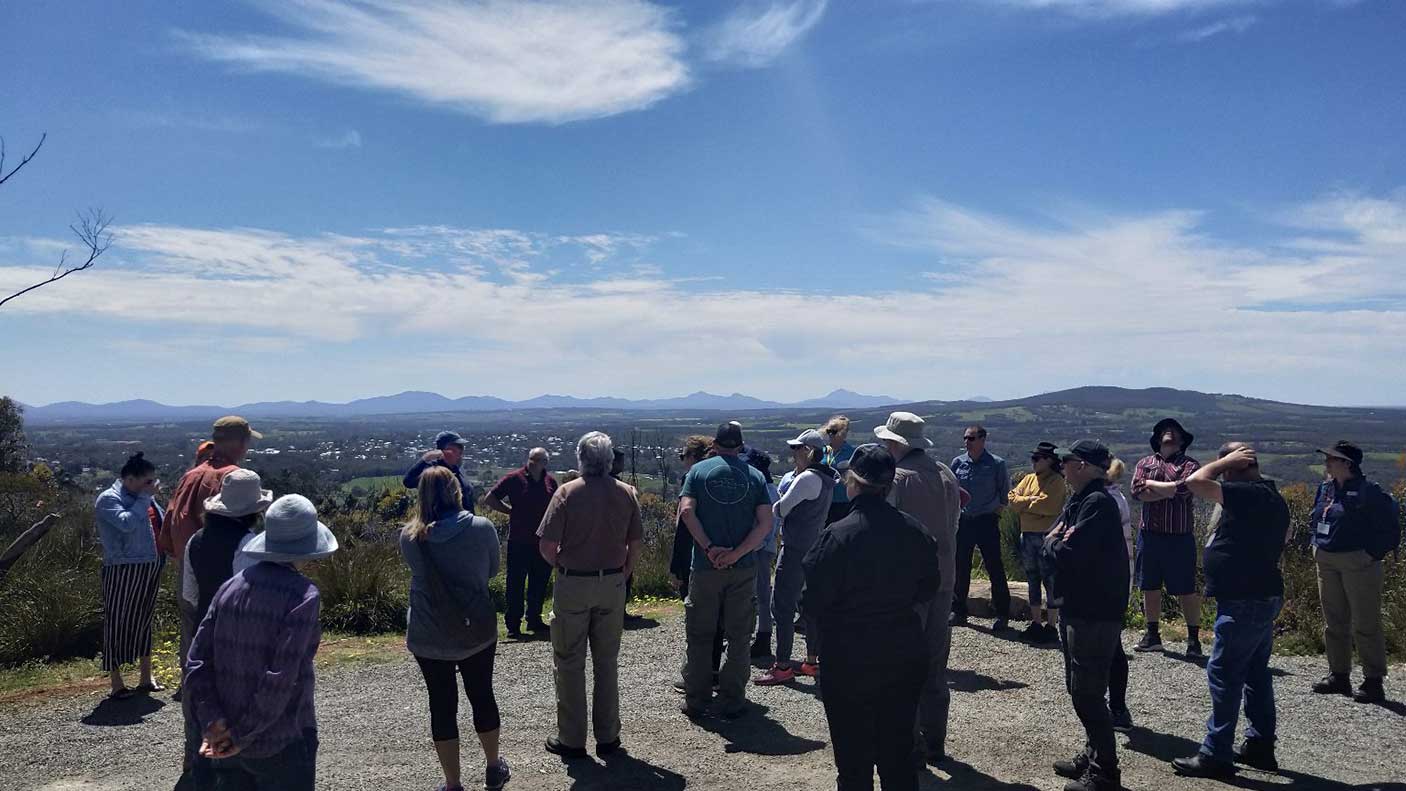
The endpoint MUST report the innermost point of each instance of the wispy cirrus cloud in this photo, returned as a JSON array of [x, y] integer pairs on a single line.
[[1238, 24], [756, 34], [505, 61]]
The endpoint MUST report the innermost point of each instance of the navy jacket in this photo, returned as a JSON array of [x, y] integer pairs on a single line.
[[412, 479], [1089, 556]]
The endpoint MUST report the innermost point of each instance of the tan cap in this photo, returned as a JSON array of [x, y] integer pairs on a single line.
[[232, 427]]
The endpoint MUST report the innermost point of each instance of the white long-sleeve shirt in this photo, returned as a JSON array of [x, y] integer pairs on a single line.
[[806, 486]]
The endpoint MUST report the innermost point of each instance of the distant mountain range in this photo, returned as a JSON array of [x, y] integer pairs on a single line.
[[416, 402]]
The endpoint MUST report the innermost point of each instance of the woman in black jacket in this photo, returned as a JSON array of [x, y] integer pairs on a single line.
[[865, 576]]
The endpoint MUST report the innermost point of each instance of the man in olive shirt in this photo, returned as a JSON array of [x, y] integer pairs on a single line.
[[591, 534]]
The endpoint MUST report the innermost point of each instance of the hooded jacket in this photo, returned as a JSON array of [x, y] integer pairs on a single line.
[[464, 549]]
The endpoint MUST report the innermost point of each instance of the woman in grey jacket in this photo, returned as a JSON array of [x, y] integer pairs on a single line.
[[127, 517], [452, 626]]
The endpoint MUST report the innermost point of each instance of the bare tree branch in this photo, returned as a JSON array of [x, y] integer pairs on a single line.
[[22, 544], [4, 177], [91, 230]]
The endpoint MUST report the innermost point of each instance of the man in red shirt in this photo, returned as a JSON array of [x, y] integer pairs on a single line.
[[1166, 543], [526, 490], [185, 512]]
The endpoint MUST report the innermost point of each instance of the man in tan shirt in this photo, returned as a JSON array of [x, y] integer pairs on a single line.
[[591, 535]]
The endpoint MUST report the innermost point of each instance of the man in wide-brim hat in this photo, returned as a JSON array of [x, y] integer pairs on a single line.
[[1166, 544]]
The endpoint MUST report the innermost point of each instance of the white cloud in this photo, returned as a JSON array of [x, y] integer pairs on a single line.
[[348, 139], [756, 34], [1238, 24], [1022, 307], [507, 61]]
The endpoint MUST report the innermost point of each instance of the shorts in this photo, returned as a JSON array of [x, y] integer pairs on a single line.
[[1166, 560]]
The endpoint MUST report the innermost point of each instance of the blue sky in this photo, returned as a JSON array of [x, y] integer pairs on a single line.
[[338, 199]]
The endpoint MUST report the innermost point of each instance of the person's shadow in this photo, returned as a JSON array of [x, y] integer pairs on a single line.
[[622, 771], [640, 622], [965, 776], [972, 681], [757, 734], [1165, 747], [130, 711]]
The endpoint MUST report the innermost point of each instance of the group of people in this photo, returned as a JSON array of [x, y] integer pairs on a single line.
[[865, 551]]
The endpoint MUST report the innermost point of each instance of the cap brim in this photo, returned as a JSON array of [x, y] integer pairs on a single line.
[[1335, 454]]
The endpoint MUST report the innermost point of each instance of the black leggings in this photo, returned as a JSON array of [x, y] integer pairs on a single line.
[[477, 671]]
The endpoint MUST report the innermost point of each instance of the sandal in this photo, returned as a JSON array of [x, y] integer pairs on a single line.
[[147, 689], [121, 694]]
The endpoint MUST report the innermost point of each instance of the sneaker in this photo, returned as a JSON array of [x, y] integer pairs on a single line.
[[811, 669], [1149, 642], [1371, 691], [1193, 650], [1202, 765], [555, 747], [1122, 720], [497, 775], [1074, 768], [1334, 684], [1257, 754], [1035, 632], [776, 675], [761, 647], [1000, 625]]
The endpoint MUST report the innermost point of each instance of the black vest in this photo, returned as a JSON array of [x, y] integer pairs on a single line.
[[211, 556]]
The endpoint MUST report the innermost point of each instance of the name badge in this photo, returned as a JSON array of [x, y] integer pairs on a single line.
[[1324, 528]]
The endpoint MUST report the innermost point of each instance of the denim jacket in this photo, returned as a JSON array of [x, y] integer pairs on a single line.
[[124, 526]]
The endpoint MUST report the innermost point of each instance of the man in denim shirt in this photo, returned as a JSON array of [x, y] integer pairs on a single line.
[[986, 479]]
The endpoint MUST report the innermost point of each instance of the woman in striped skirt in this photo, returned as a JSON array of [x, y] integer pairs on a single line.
[[127, 515]]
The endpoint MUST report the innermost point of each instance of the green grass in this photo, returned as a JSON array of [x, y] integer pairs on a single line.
[[372, 484]]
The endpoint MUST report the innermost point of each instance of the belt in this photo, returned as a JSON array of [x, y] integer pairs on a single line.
[[601, 573]]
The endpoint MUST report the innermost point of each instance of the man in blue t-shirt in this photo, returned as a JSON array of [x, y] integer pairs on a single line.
[[727, 510]]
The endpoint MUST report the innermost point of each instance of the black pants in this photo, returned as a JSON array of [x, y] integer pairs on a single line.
[[477, 671], [981, 532], [525, 564], [1089, 648], [871, 701], [1118, 681]]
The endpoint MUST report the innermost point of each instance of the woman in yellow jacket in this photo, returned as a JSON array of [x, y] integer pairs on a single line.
[[1038, 499]]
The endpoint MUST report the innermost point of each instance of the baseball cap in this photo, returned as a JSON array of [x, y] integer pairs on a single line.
[[1091, 451], [233, 427], [444, 439], [1342, 449], [729, 435], [872, 464], [809, 438]]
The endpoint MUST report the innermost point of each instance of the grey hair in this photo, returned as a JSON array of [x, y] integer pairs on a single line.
[[595, 453]]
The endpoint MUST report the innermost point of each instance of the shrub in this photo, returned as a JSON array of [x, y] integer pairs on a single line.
[[53, 596], [364, 585]]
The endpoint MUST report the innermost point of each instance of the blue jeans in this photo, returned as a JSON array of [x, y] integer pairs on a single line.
[[1239, 667]]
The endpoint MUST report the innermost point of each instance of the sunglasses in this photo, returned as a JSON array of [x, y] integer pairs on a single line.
[[970, 439]]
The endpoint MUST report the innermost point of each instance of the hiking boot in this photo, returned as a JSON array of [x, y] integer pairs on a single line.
[[1257, 754], [778, 674], [1074, 768], [761, 647], [1149, 642], [811, 669], [1193, 650], [1090, 781], [497, 775], [1371, 691], [1334, 684], [1202, 765], [555, 747], [1035, 632], [1122, 720]]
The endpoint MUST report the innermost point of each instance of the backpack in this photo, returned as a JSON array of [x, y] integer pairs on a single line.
[[1386, 526]]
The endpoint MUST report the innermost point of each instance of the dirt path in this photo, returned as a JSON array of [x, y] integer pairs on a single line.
[[1010, 719]]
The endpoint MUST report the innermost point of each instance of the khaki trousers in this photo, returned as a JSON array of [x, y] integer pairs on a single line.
[[734, 591], [1350, 588], [587, 612]]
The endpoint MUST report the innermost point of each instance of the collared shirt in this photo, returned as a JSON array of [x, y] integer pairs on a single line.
[[528, 497], [185, 512], [1173, 515], [251, 661], [594, 519], [985, 479]]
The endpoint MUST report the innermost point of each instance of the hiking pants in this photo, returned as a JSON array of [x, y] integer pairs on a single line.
[[732, 593], [589, 614], [935, 698], [1350, 588], [1088, 655]]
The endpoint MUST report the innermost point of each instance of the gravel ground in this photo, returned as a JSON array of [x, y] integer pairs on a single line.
[[1010, 719]]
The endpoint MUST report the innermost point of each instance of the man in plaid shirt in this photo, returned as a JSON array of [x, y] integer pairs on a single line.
[[1166, 544]]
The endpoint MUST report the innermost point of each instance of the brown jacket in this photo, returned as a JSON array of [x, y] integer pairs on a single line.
[[925, 489]]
